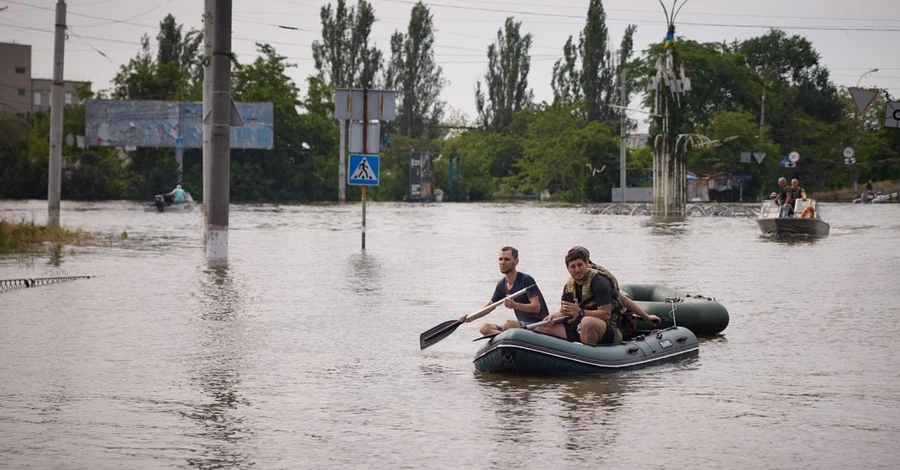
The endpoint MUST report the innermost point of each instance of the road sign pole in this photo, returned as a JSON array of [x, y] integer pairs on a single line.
[[365, 148]]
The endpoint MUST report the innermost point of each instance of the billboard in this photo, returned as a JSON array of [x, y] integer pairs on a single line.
[[421, 176], [167, 124]]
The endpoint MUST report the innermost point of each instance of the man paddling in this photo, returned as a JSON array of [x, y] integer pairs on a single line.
[[529, 307]]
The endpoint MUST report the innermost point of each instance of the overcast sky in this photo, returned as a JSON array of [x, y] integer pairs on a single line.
[[849, 40]]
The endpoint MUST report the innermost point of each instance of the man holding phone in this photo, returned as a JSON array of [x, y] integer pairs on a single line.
[[592, 299]]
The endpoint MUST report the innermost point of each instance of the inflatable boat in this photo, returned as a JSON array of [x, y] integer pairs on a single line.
[[521, 351], [700, 314]]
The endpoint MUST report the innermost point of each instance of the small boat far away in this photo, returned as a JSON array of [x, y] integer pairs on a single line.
[[163, 203], [805, 221]]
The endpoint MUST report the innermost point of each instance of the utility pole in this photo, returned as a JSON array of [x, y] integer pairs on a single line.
[[220, 136], [622, 138], [54, 176], [208, 8]]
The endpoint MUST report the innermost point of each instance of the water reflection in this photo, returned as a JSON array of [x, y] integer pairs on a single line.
[[671, 226], [585, 404], [589, 404], [789, 240], [215, 369], [365, 273]]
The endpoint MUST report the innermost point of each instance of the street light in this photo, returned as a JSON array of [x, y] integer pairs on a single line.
[[863, 75], [762, 111]]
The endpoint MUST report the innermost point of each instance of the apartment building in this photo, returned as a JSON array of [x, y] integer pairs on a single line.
[[15, 78], [23, 94]]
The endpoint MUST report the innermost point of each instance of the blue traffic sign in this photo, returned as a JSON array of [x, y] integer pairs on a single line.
[[363, 170]]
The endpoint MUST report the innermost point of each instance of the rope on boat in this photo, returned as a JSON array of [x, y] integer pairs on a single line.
[[674, 301], [10, 284]]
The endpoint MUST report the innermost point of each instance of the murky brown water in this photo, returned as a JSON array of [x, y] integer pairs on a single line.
[[304, 352]]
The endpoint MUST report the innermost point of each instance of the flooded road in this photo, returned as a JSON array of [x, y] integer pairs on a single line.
[[304, 352]]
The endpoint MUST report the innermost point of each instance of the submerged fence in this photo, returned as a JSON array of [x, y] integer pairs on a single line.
[[11, 284]]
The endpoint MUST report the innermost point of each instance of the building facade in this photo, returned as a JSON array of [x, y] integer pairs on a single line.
[[20, 92], [15, 78], [41, 88]]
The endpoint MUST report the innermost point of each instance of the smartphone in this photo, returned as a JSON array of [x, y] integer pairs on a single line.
[[568, 297]]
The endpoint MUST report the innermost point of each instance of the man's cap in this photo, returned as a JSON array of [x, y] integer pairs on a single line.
[[178, 186], [580, 248]]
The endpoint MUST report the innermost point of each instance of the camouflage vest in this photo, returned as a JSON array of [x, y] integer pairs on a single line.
[[587, 298]]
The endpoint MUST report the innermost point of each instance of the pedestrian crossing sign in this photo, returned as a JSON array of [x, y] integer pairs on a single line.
[[364, 170]]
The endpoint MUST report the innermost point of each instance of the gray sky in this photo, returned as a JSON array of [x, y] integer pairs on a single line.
[[851, 37]]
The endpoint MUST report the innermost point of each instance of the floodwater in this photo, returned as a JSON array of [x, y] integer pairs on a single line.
[[304, 353]]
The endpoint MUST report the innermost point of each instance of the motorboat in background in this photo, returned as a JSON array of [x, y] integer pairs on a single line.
[[805, 221]]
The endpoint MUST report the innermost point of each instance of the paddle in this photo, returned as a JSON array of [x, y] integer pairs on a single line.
[[531, 326], [434, 335]]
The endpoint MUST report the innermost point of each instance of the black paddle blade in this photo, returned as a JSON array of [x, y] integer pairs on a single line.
[[485, 337], [432, 336]]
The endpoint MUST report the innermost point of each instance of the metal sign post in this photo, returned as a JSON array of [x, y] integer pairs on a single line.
[[363, 106]]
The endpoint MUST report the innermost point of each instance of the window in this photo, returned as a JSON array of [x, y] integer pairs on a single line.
[[68, 98], [20, 69], [37, 98], [21, 92]]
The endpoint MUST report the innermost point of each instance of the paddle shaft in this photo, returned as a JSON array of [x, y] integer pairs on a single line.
[[532, 326], [489, 308]]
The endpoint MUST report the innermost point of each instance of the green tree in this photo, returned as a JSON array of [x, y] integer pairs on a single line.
[[566, 80], [414, 74], [20, 175], [565, 155], [343, 57], [175, 73], [597, 80], [506, 82], [630, 66], [297, 168]]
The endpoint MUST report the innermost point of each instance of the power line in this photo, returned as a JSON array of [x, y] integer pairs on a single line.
[[722, 25]]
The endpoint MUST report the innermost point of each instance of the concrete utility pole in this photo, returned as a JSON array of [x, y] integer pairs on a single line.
[[220, 136], [208, 7], [54, 176], [622, 138]]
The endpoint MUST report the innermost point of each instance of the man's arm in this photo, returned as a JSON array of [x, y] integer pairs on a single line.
[[602, 294], [533, 305], [633, 307]]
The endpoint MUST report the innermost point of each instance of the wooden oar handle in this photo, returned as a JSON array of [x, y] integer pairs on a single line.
[[547, 322], [530, 327], [489, 308]]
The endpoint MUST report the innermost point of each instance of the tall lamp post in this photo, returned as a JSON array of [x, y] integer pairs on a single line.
[[762, 110], [864, 74], [859, 117]]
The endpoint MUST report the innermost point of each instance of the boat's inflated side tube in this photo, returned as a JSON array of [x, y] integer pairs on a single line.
[[702, 315]]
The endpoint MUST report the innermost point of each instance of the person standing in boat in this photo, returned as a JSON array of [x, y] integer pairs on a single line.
[[780, 195], [592, 299], [529, 307], [791, 194]]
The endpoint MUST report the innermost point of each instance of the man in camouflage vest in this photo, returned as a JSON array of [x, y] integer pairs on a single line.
[[591, 298]]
